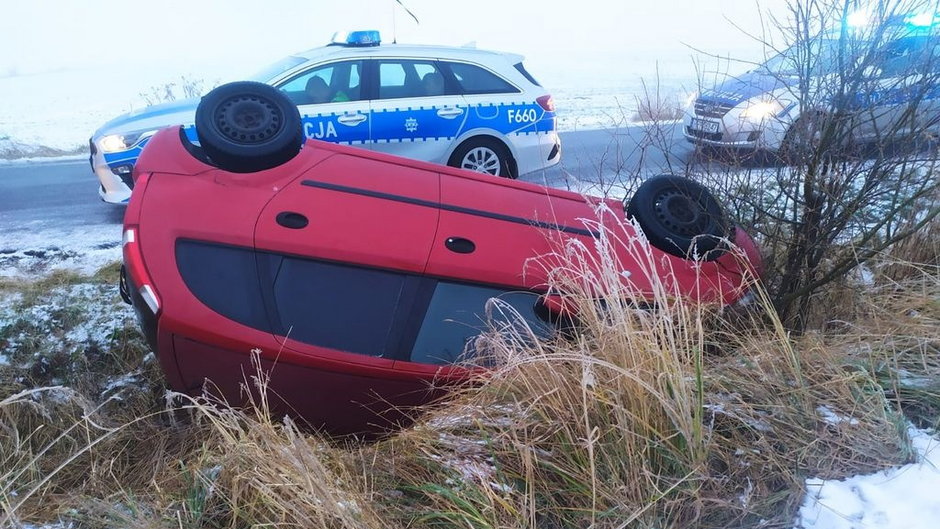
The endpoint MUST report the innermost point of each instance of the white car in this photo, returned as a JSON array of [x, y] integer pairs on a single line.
[[463, 107], [781, 103]]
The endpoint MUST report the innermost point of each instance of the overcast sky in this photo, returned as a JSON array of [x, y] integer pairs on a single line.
[[40, 35]]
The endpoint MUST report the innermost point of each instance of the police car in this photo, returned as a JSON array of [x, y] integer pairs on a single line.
[[463, 107], [781, 104]]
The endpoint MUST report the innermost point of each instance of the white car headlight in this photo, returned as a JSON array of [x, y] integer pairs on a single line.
[[761, 110], [122, 142], [112, 143]]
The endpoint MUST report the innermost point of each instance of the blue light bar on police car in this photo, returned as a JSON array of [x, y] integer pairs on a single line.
[[922, 20], [357, 38], [858, 18]]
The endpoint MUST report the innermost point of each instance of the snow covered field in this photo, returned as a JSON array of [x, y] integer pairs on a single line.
[[60, 81], [60, 110]]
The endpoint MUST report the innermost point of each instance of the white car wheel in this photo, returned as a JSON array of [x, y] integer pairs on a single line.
[[481, 160], [484, 155]]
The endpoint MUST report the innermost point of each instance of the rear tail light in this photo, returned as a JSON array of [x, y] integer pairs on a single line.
[[546, 102], [134, 261], [754, 260]]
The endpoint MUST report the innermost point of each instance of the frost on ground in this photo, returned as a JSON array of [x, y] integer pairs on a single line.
[[34, 249], [51, 332], [66, 317], [899, 498], [77, 334]]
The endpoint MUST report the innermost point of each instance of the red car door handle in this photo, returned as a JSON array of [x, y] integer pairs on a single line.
[[292, 220], [460, 245]]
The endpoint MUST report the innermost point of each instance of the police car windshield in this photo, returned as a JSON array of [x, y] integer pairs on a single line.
[[816, 58], [270, 72]]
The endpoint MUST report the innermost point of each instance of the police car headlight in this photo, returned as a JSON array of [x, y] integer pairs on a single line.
[[112, 143], [760, 110], [122, 142], [690, 100]]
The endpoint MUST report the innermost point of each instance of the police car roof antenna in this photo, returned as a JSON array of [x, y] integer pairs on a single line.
[[394, 25]]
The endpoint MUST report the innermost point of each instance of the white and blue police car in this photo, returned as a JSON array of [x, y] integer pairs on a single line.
[[463, 107], [776, 106]]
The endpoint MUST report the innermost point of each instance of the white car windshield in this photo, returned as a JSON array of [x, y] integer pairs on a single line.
[[816, 58], [269, 72]]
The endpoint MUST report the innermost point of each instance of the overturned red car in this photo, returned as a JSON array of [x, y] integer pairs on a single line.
[[358, 278]]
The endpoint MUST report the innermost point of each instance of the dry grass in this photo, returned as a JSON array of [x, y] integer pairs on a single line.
[[657, 110], [896, 339], [14, 150], [678, 416], [632, 425]]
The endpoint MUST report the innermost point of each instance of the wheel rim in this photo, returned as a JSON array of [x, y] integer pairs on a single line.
[[807, 136], [681, 215], [482, 160], [247, 119], [812, 136]]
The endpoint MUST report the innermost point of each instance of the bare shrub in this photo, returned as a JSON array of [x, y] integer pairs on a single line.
[[654, 106], [184, 88], [856, 173]]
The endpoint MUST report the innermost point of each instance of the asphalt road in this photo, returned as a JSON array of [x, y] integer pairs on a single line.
[[45, 195]]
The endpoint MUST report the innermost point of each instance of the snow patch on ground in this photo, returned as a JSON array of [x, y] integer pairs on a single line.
[[103, 314], [34, 249], [55, 334], [834, 418], [899, 498]]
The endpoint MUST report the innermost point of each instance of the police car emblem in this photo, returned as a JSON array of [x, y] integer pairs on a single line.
[[411, 124]]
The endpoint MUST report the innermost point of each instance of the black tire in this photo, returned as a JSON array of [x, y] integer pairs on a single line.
[[484, 155], [246, 126], [680, 217], [802, 139]]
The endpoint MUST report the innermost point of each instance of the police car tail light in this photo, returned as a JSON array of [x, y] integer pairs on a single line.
[[134, 262], [547, 103]]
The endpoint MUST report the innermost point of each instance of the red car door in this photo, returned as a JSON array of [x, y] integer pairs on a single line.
[[490, 229], [489, 232], [340, 249]]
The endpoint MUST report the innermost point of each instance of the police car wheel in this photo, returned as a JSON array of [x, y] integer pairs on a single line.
[[680, 217], [803, 138], [484, 155], [246, 126]]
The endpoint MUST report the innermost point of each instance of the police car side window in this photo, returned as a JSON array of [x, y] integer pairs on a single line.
[[475, 80], [931, 60], [905, 56], [410, 78], [332, 83]]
